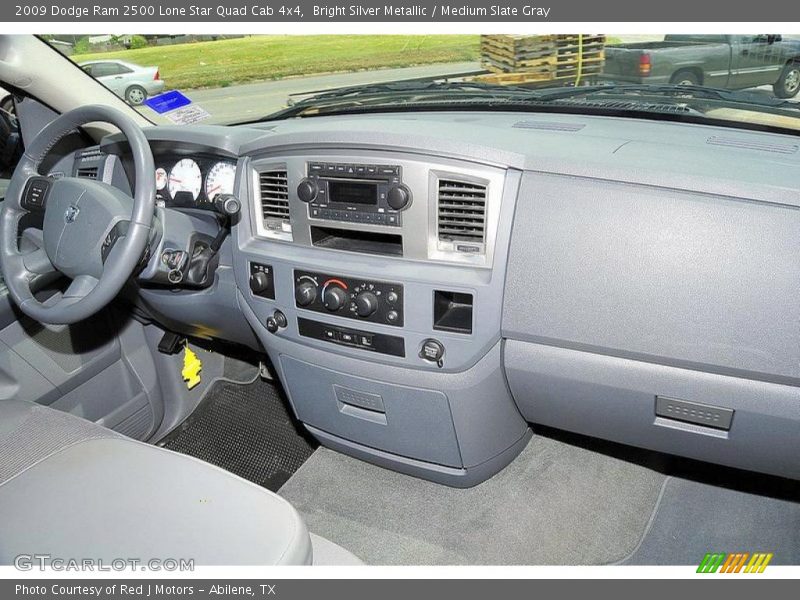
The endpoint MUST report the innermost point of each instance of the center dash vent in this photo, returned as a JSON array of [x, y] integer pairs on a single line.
[[87, 172], [461, 212], [274, 193]]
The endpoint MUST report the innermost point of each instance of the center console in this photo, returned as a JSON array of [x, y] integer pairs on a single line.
[[374, 280]]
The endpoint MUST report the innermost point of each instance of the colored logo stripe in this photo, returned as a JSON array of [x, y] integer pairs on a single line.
[[733, 563]]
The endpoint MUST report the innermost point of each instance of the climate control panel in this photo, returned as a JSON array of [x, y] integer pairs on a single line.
[[361, 299]]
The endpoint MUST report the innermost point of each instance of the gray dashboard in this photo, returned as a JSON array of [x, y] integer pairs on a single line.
[[631, 279]]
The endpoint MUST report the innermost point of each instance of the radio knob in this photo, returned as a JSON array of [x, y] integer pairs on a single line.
[[305, 293], [366, 304], [307, 190], [259, 282], [334, 298], [399, 197]]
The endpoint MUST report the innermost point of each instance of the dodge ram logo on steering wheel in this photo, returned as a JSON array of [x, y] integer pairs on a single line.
[[71, 214]]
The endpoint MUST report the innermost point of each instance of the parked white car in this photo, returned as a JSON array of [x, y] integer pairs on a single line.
[[131, 82]]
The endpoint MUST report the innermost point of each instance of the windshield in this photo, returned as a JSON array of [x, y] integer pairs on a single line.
[[750, 80]]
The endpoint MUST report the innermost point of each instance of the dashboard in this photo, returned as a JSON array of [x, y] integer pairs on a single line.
[[427, 285]]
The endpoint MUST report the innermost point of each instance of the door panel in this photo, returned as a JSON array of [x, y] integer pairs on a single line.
[[754, 61]]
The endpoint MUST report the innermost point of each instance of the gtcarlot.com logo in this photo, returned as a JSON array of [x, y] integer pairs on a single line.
[[29, 562], [736, 562]]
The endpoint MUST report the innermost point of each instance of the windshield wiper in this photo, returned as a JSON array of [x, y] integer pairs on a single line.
[[412, 93], [681, 92], [415, 94]]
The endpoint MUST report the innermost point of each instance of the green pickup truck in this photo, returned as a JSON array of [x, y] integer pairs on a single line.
[[722, 61]]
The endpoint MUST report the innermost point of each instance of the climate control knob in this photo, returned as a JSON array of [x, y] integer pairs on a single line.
[[307, 190], [305, 293], [398, 197], [334, 298], [259, 282], [366, 304]]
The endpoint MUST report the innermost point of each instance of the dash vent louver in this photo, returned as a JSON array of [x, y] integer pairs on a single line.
[[461, 211], [87, 172], [274, 194]]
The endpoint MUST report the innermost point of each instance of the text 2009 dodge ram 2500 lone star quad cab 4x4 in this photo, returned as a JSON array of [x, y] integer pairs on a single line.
[[723, 61]]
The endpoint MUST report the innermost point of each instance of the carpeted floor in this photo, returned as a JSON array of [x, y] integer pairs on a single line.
[[694, 517], [564, 500], [555, 504]]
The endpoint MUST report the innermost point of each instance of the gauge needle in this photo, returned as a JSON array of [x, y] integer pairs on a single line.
[[175, 180], [214, 189]]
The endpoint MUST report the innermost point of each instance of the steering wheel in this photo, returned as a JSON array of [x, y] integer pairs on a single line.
[[93, 233]]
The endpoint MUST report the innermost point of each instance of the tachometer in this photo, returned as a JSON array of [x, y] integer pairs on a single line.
[[185, 178], [220, 180]]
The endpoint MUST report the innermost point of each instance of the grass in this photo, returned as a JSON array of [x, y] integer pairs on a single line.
[[263, 57]]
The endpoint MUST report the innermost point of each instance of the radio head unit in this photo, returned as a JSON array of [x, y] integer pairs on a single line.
[[372, 194]]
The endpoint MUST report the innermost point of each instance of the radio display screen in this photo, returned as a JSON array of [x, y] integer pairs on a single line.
[[348, 192]]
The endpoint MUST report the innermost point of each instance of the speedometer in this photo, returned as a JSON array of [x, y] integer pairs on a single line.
[[220, 180], [185, 178]]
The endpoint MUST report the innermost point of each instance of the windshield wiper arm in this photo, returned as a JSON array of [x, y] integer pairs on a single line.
[[688, 92]]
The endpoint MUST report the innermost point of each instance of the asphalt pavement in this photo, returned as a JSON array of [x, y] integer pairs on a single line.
[[253, 100]]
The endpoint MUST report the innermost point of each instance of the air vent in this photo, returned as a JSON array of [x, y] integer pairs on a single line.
[[274, 189], [748, 144], [90, 153], [549, 126], [87, 172], [462, 212]]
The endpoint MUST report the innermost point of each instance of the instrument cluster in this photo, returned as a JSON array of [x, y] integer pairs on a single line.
[[193, 182]]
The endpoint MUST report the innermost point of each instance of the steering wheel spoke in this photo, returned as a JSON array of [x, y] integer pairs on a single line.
[[37, 262], [80, 287]]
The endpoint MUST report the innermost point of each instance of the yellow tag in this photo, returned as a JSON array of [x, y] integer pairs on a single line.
[[191, 368]]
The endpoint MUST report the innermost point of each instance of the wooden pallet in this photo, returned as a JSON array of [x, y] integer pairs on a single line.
[[514, 78], [495, 67]]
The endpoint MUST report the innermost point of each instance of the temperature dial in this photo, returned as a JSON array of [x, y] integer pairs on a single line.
[[334, 297]]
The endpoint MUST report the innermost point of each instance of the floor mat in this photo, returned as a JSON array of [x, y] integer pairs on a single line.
[[694, 518], [557, 503], [247, 430]]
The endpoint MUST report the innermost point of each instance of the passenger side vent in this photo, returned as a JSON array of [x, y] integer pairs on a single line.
[[87, 172], [461, 213], [274, 193]]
